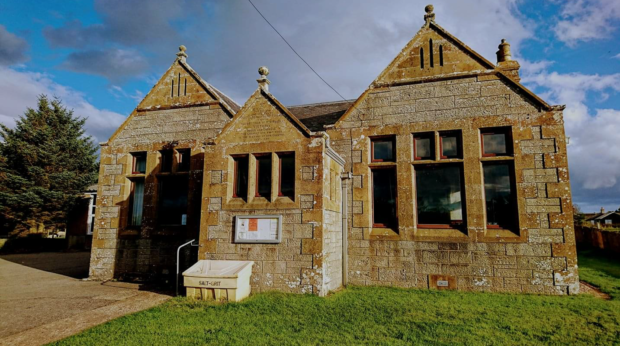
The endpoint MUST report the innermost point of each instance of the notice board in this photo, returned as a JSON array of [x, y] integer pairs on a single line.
[[258, 229]]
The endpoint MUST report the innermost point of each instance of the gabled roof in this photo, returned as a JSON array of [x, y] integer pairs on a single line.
[[215, 95], [260, 92]]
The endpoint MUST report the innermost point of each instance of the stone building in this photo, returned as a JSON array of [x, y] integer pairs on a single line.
[[445, 173]]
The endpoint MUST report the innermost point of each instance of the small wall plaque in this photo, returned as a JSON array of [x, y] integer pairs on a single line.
[[258, 229], [442, 283]]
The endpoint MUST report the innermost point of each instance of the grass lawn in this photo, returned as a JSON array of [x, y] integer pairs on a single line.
[[380, 315]]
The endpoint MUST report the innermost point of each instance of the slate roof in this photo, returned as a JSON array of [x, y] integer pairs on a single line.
[[316, 115], [232, 104], [602, 216]]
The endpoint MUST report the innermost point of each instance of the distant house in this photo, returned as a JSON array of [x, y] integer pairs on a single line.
[[604, 218], [82, 221]]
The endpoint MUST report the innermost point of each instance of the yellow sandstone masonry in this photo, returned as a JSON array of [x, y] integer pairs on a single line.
[[436, 85]]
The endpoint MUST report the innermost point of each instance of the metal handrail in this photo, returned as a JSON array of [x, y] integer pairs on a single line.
[[191, 242]]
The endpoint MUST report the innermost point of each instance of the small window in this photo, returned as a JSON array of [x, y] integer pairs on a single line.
[[184, 160], [383, 149], [287, 175], [240, 188], [439, 196], [440, 55], [430, 51], [500, 199], [166, 161], [608, 222], [263, 176], [384, 198], [424, 146], [139, 163], [496, 141], [422, 58], [173, 193], [136, 203], [450, 145]]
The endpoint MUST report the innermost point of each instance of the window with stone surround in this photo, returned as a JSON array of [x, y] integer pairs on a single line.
[[183, 157], [166, 161], [139, 163], [499, 195], [440, 195], [384, 197], [286, 176], [263, 175], [450, 146], [136, 203], [173, 192], [424, 146], [496, 141], [383, 149], [240, 180]]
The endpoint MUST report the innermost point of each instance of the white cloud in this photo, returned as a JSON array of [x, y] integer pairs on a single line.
[[594, 150], [585, 20], [20, 89], [617, 56]]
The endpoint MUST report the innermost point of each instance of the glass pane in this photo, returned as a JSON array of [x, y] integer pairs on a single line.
[[287, 175], [439, 195], [241, 183], [424, 148], [137, 203], [173, 200], [184, 159], [494, 143], [166, 161], [449, 146], [384, 196], [499, 195], [383, 150], [140, 163], [264, 176]]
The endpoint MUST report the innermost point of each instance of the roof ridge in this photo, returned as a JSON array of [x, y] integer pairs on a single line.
[[322, 103]]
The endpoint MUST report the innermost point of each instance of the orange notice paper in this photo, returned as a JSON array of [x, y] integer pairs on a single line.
[[253, 226]]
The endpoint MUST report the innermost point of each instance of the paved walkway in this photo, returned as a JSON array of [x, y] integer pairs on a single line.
[[43, 299]]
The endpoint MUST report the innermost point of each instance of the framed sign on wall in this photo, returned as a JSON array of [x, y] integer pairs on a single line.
[[258, 229]]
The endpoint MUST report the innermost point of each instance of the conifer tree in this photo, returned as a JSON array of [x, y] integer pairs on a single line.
[[46, 162]]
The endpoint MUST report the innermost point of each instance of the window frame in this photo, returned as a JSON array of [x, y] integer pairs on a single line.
[[160, 189], [506, 131], [236, 159], [164, 162], [280, 156], [461, 226], [257, 158], [459, 144], [129, 223], [393, 168], [513, 187], [421, 135], [134, 162], [387, 138]]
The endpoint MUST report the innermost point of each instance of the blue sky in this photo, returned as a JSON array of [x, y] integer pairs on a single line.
[[101, 57]]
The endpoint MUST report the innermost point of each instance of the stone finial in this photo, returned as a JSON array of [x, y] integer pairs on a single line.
[[602, 210], [263, 82], [503, 54], [429, 16], [181, 54]]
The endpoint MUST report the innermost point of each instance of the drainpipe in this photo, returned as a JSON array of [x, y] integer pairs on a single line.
[[345, 228], [191, 242]]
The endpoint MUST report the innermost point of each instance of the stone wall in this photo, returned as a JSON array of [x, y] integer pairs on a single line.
[[149, 251], [539, 256]]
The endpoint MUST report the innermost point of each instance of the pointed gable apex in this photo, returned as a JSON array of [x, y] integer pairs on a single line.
[[432, 52], [262, 119]]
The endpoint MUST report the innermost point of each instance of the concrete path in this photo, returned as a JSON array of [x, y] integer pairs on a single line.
[[43, 299]]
